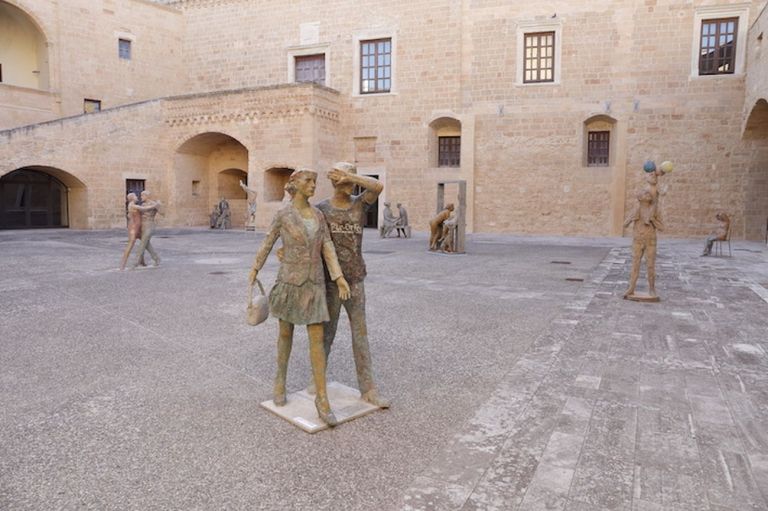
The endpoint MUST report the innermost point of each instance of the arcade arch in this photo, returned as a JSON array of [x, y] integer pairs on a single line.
[[42, 197], [207, 167]]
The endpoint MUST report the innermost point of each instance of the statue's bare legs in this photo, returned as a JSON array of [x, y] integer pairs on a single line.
[[284, 346]]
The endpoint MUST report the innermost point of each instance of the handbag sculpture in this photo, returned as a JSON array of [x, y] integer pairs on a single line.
[[258, 310]]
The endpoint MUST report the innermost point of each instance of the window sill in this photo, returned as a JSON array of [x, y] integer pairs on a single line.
[[374, 94], [725, 76], [537, 84]]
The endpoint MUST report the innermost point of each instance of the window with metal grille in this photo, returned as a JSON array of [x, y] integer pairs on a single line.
[[718, 46], [124, 49], [310, 68], [448, 151], [598, 148], [539, 57], [91, 105], [375, 66]]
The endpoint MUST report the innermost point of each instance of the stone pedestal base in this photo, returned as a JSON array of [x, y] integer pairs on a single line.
[[642, 298], [300, 408]]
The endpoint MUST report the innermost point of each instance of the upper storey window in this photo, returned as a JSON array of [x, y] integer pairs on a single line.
[[717, 53], [310, 68], [539, 57], [375, 66], [124, 49]]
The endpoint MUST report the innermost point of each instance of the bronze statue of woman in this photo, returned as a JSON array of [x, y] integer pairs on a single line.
[[298, 296]]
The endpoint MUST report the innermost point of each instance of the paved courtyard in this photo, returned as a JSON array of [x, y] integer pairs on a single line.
[[519, 378]]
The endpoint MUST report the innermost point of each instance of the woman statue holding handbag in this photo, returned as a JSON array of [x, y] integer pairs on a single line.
[[298, 297]]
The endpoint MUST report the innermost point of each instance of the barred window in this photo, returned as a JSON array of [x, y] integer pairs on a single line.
[[448, 151], [375, 66], [718, 46], [124, 49], [598, 148], [539, 57]]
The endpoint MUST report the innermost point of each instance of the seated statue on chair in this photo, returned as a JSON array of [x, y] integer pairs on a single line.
[[720, 234]]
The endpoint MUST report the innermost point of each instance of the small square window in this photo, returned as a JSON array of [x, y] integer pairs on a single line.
[[310, 68], [124, 49], [448, 151], [91, 105], [598, 148]]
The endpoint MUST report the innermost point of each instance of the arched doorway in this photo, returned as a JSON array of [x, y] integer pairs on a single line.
[[207, 167], [23, 50], [31, 198]]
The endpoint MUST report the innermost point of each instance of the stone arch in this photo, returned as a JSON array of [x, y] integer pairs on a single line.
[[445, 142], [755, 192], [275, 179], [599, 141], [23, 48], [38, 196], [756, 127], [202, 164]]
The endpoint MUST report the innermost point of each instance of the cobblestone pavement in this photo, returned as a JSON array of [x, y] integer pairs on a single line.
[[627, 406], [519, 378]]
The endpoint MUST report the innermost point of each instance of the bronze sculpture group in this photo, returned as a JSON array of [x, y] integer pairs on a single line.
[[441, 230], [141, 227], [395, 223], [307, 292]]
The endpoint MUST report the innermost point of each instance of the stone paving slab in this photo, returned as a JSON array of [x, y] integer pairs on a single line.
[[637, 406]]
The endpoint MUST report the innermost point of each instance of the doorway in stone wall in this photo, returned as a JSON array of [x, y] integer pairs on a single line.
[[372, 215], [32, 199]]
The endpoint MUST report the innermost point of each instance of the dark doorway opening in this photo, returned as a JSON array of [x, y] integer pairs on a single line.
[[31, 199], [372, 215]]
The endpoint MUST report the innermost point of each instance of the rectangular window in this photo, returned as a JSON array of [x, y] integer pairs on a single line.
[[598, 147], [375, 66], [195, 187], [448, 151], [310, 68], [91, 105], [1, 73], [718, 46], [539, 57], [124, 49]]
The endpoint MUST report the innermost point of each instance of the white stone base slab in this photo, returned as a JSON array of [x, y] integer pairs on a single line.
[[300, 408]]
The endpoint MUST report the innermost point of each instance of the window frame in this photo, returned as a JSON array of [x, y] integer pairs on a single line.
[[538, 58], [525, 28], [122, 43], [453, 156], [371, 35], [87, 101], [304, 51], [606, 143], [376, 66], [316, 56], [708, 13]]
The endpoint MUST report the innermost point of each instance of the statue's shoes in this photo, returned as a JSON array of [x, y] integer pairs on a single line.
[[375, 399], [324, 412]]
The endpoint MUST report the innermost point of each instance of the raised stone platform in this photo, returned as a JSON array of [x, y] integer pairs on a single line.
[[300, 408]]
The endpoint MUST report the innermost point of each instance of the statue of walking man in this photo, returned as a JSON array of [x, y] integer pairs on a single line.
[[149, 209], [345, 215]]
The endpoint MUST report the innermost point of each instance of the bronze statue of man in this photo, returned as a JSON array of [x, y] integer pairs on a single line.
[[345, 216], [149, 209]]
